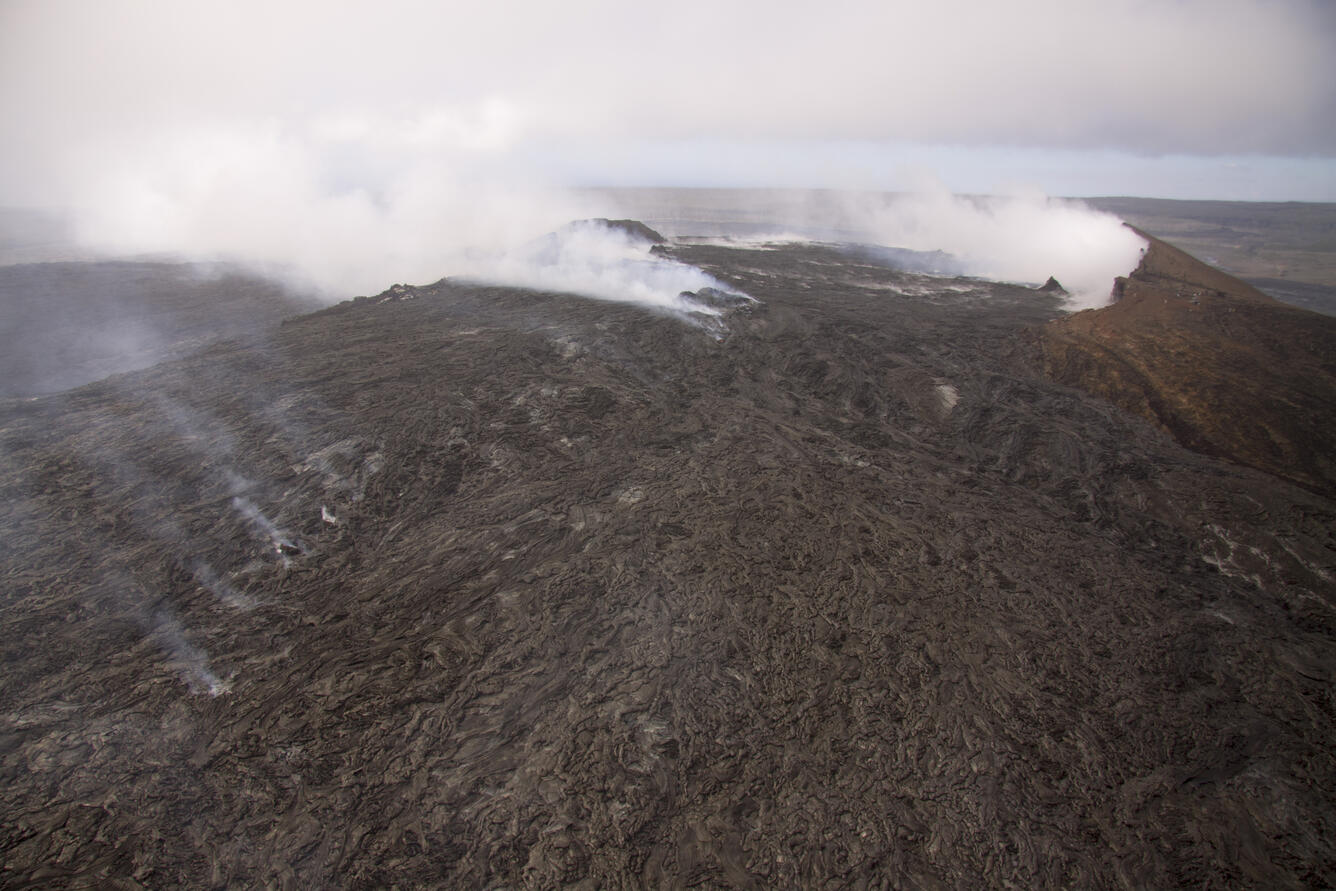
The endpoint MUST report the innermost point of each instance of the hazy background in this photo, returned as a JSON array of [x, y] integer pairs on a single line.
[[1071, 97], [347, 145]]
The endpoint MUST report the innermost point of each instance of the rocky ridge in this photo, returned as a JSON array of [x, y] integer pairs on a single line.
[[1225, 369]]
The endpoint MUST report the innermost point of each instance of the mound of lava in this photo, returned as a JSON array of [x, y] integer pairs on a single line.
[[496, 588]]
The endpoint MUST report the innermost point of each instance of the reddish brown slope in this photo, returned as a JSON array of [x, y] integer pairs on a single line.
[[1225, 369]]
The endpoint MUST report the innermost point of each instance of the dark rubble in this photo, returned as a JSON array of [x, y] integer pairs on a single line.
[[494, 588]]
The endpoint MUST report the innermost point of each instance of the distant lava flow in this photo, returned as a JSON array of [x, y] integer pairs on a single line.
[[1225, 369], [472, 586]]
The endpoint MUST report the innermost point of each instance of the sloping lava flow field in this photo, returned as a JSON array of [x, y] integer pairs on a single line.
[[465, 586]]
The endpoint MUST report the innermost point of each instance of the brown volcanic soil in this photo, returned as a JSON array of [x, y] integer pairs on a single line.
[[1225, 369], [845, 599]]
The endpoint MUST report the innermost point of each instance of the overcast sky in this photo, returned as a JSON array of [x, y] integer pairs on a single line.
[[1232, 99]]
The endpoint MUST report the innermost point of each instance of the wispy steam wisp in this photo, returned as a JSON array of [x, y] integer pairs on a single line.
[[189, 660]]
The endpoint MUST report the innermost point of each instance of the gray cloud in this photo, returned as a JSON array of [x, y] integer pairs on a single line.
[[1194, 76]]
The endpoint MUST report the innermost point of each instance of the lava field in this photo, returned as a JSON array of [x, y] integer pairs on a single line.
[[467, 586]]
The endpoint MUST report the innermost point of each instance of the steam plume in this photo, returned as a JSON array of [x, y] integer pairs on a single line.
[[1023, 238], [295, 206], [292, 204]]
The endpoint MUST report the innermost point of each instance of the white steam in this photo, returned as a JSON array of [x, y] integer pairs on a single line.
[[161, 626], [327, 206], [593, 259], [349, 206], [190, 661], [1019, 238], [1022, 237], [281, 541]]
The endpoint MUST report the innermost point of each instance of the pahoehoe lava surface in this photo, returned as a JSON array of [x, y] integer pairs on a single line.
[[476, 587]]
